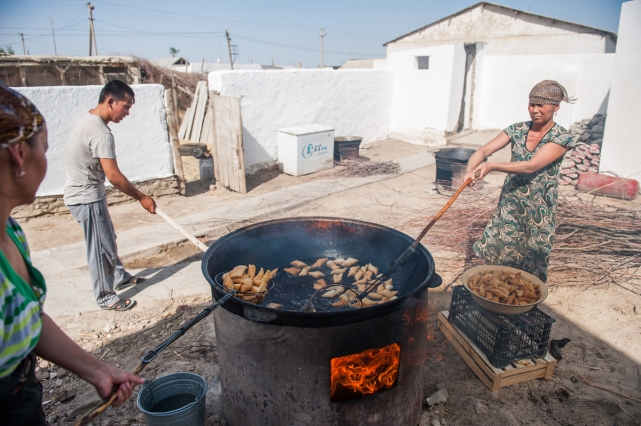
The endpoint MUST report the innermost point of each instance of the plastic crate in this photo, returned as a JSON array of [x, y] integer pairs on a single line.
[[502, 338]]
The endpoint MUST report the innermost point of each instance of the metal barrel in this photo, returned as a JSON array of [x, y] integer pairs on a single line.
[[172, 388]]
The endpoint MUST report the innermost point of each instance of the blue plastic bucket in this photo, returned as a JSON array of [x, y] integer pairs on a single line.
[[177, 398]]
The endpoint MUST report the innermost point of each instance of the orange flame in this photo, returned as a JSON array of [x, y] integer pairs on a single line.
[[366, 373]]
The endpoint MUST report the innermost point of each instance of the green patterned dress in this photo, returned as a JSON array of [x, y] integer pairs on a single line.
[[520, 234]]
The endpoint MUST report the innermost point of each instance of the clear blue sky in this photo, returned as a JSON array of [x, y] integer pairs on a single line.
[[287, 31]]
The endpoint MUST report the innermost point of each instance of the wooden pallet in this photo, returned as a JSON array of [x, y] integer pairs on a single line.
[[494, 378]]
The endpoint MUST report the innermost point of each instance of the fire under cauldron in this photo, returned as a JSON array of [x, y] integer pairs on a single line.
[[351, 367]]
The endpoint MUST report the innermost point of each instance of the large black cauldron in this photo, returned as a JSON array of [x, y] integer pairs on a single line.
[[273, 244], [275, 365]]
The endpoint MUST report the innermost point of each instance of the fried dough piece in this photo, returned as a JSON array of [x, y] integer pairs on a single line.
[[339, 261], [228, 282], [304, 271], [292, 271], [274, 272], [260, 274], [349, 262], [331, 293], [337, 278], [238, 271], [298, 264], [274, 305], [246, 287], [369, 302], [320, 284], [316, 274], [320, 262], [339, 271], [372, 268], [251, 271], [360, 274], [267, 277], [353, 270]]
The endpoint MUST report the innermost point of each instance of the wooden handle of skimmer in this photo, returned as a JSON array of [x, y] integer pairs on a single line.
[[443, 210], [180, 229], [84, 420]]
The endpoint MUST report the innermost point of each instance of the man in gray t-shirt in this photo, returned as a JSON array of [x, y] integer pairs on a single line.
[[91, 157]]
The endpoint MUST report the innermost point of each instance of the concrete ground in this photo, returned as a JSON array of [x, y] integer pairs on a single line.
[[602, 322]]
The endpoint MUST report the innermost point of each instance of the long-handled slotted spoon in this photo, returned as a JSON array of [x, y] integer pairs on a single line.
[[348, 297]]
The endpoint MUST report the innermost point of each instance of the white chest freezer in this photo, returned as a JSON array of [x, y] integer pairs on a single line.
[[305, 149]]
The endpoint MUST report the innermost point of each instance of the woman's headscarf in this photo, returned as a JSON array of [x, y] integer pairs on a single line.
[[19, 118], [548, 92]]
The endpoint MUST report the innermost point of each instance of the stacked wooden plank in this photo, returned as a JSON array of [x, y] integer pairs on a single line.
[[227, 130], [195, 126]]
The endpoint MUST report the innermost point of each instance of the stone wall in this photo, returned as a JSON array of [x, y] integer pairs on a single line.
[[586, 156], [54, 204]]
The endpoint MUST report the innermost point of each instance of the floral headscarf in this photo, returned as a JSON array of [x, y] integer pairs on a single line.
[[19, 117]]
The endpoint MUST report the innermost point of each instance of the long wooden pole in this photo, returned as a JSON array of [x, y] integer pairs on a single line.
[[182, 230]]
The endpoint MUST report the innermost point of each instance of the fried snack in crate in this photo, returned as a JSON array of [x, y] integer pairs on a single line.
[[505, 287]]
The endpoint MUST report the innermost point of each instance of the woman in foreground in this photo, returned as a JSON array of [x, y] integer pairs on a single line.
[[27, 331], [521, 231]]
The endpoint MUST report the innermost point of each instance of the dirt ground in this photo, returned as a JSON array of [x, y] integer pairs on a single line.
[[603, 322]]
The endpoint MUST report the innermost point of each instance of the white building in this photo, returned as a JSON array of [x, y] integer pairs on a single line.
[[470, 70], [507, 31], [621, 151]]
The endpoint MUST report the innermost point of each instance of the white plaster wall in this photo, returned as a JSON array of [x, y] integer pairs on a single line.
[[142, 142], [506, 81], [621, 151], [426, 103], [507, 33], [354, 102]]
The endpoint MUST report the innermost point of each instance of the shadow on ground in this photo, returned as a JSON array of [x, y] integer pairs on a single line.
[[562, 400]]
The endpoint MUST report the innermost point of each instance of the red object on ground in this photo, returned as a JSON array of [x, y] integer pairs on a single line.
[[610, 186]]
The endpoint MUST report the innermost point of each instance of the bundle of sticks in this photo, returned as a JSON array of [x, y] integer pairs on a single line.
[[595, 243], [185, 82]]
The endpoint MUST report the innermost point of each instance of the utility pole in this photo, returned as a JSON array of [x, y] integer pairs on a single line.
[[24, 51], [322, 37], [92, 32], [231, 63], [54, 37]]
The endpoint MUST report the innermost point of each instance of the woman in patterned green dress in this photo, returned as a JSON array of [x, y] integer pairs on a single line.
[[520, 234]]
